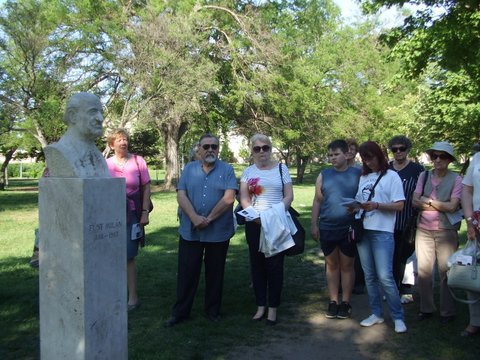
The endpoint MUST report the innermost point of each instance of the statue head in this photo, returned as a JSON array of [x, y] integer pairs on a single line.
[[84, 115]]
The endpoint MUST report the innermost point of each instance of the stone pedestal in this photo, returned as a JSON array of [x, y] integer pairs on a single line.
[[83, 284]]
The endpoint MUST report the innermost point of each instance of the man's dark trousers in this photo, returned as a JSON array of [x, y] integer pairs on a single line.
[[190, 255]]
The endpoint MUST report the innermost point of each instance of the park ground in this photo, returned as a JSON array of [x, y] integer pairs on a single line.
[[302, 332]]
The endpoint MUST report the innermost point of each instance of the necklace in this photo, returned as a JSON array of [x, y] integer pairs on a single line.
[[121, 164]]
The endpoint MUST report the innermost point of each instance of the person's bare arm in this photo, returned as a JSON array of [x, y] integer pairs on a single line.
[[317, 202], [224, 204], [198, 221], [145, 189]]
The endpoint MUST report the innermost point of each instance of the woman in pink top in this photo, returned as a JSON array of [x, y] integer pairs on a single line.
[[134, 169], [437, 196]]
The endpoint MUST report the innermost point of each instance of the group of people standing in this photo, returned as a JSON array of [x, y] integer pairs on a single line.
[[383, 195], [386, 197]]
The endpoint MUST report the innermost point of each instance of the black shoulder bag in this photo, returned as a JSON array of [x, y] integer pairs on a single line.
[[410, 230], [299, 236], [355, 233]]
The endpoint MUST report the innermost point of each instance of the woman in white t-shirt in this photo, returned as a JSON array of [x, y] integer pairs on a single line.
[[262, 186], [377, 244], [471, 211]]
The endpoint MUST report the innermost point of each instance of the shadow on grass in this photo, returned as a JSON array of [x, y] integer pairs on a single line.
[[303, 304], [17, 200], [19, 318]]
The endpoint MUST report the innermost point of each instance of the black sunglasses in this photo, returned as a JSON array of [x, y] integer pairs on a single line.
[[440, 156], [264, 148], [210, 146], [397, 149]]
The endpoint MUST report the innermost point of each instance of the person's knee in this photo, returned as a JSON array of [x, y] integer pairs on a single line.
[[347, 267], [333, 266]]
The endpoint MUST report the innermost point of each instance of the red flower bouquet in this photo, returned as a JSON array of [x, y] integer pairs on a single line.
[[253, 188]]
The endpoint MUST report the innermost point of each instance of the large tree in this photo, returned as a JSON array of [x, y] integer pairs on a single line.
[[439, 43], [48, 49]]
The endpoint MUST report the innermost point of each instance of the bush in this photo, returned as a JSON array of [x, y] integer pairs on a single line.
[[226, 154], [29, 170]]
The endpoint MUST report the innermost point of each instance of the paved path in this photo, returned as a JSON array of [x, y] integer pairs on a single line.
[[316, 337]]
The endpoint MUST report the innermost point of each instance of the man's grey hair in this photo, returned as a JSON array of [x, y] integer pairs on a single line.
[[208, 136]]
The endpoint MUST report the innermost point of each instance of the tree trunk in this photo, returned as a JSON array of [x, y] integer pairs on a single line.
[[302, 162], [172, 133], [3, 169]]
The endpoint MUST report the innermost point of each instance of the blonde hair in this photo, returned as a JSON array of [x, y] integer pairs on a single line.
[[115, 134]]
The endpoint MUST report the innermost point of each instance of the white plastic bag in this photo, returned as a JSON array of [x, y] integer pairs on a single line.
[[465, 255]]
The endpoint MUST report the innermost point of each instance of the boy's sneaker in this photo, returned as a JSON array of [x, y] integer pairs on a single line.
[[371, 320], [344, 310], [400, 326], [332, 310]]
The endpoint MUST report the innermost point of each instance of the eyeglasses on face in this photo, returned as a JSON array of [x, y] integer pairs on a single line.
[[441, 156], [210, 146], [264, 148], [395, 149]]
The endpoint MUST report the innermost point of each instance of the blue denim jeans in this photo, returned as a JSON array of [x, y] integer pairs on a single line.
[[376, 255]]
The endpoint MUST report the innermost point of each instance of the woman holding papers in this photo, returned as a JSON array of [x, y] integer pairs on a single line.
[[436, 238], [261, 188], [381, 193], [134, 169]]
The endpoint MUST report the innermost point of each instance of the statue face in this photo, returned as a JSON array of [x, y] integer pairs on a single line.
[[89, 118]]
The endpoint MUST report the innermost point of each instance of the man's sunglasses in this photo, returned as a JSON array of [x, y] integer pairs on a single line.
[[264, 148], [440, 156], [398, 149], [210, 146]]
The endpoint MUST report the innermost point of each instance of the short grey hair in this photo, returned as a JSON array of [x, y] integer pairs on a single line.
[[208, 136], [260, 137]]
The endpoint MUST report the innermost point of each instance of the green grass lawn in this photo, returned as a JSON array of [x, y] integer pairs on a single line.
[[198, 338]]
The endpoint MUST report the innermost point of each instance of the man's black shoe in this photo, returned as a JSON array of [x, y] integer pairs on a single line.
[[214, 318], [424, 316], [172, 321]]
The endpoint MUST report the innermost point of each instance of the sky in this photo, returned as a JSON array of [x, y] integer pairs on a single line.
[[351, 13], [350, 8]]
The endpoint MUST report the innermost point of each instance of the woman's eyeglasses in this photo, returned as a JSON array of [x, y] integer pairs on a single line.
[[398, 149], [210, 146], [439, 156], [264, 148]]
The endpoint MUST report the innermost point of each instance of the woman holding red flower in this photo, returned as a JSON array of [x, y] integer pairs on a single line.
[[262, 186]]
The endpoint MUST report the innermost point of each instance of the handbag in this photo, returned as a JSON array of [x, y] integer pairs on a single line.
[[356, 230], [240, 219], [150, 204], [465, 277], [299, 236], [410, 231]]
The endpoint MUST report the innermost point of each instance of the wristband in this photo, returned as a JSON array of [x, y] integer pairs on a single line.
[[145, 210]]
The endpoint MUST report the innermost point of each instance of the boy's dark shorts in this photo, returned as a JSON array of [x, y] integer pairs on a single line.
[[331, 239]]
